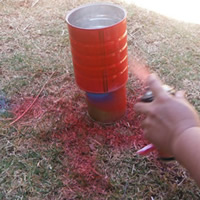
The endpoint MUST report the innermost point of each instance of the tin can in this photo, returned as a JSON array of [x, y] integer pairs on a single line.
[[107, 107], [98, 38]]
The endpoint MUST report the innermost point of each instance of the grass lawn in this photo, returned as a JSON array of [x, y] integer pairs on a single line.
[[55, 151]]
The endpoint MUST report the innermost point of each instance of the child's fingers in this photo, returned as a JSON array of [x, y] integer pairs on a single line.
[[180, 94], [142, 107], [155, 85]]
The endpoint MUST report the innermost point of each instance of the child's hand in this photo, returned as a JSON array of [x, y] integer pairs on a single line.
[[167, 117]]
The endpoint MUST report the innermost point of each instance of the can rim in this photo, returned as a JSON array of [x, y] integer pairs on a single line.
[[92, 4]]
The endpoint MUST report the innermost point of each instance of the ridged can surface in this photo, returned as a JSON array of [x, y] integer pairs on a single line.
[[98, 38], [107, 107]]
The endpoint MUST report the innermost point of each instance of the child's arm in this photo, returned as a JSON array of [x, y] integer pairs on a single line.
[[173, 126], [186, 149]]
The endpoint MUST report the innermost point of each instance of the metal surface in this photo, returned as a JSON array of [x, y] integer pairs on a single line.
[[148, 96], [107, 107], [98, 39], [96, 16]]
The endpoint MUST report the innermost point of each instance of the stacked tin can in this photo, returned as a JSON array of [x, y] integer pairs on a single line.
[[98, 38]]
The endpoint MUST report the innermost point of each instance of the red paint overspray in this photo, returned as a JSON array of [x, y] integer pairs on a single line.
[[139, 69], [65, 121], [21, 105], [82, 140]]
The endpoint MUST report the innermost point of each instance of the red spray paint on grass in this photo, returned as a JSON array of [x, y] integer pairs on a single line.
[[19, 107], [81, 137]]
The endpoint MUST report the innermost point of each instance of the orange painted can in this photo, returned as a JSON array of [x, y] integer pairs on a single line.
[[98, 38]]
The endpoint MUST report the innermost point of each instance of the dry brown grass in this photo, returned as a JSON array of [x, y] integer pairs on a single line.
[[39, 156]]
